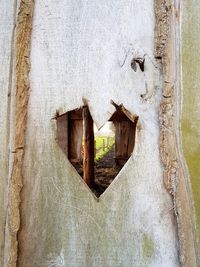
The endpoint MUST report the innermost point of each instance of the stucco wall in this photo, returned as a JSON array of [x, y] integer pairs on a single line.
[[84, 49]]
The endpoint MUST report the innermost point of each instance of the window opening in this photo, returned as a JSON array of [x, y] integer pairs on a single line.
[[97, 155]]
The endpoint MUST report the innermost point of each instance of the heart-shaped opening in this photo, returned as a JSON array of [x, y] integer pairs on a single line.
[[97, 155]]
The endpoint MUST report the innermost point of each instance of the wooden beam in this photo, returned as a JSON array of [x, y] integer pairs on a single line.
[[62, 133], [88, 158], [75, 114], [75, 134]]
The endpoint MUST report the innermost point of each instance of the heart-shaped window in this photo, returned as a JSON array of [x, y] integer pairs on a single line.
[[97, 155]]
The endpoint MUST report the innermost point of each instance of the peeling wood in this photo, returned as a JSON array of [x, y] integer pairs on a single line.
[[22, 68], [161, 26], [174, 178]]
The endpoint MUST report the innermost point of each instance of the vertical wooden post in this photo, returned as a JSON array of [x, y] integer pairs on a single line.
[[95, 149], [88, 158]]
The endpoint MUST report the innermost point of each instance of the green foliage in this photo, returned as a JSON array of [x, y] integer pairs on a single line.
[[103, 144]]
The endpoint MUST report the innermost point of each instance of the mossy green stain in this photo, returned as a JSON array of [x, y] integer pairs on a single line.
[[190, 121], [147, 246]]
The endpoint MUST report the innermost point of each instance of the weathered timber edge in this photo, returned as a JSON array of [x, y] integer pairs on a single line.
[[22, 68], [175, 179]]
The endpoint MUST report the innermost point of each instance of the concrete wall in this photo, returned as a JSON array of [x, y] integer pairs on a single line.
[[84, 49]]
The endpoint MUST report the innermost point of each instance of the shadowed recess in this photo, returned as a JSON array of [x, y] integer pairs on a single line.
[[98, 155]]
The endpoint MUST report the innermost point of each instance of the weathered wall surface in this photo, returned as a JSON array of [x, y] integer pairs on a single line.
[[190, 121], [7, 15], [84, 49]]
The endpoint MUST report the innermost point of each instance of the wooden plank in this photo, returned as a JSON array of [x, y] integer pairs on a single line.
[[62, 133], [131, 142], [121, 141], [7, 26], [122, 114], [75, 114], [68, 63], [124, 141], [118, 115], [75, 139], [88, 160], [21, 86]]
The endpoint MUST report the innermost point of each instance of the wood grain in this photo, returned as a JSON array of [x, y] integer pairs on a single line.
[[175, 179], [22, 68]]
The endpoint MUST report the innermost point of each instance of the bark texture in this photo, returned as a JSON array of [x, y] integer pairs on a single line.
[[175, 180], [22, 68]]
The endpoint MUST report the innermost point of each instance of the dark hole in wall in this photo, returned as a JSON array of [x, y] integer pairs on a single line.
[[97, 155]]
